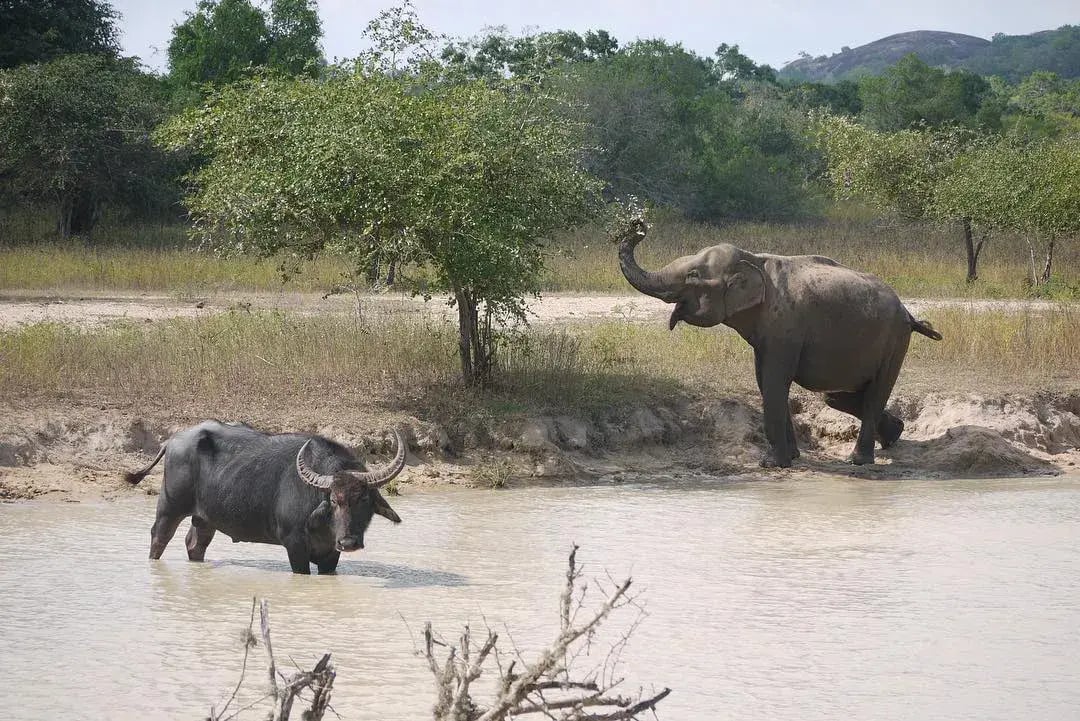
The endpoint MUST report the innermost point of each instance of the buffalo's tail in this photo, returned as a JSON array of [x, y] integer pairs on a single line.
[[924, 327], [133, 477]]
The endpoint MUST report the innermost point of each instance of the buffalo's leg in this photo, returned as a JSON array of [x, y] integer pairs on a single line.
[[164, 529], [198, 538], [328, 563], [299, 558], [889, 427]]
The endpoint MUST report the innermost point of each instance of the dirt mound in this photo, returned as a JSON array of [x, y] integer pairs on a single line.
[[971, 452]]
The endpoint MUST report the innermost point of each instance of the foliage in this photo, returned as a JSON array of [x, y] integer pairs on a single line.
[[1043, 105], [707, 137], [466, 177], [912, 93], [224, 40], [74, 134], [1032, 188], [898, 171], [840, 98], [498, 54], [36, 31]]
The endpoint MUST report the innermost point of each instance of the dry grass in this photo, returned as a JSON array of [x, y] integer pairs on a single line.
[[75, 266], [242, 361], [919, 261]]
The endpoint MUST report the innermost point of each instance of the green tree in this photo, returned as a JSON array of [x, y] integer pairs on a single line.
[[1043, 105], [466, 178], [900, 172], [74, 133], [294, 31], [36, 31], [912, 93], [225, 40], [498, 54], [1030, 188]]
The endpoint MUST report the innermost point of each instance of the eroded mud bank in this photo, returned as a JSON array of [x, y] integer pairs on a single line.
[[71, 454]]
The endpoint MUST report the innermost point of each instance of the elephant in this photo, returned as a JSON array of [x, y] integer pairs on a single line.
[[809, 319]]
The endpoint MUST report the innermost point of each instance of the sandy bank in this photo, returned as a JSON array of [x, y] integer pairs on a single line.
[[19, 308], [70, 454]]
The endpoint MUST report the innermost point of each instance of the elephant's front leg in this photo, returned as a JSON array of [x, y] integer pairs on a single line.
[[774, 381]]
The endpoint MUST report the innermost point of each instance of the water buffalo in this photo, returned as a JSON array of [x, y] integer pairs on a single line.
[[304, 492]]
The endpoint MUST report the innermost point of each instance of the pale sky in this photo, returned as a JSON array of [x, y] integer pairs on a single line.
[[768, 31]]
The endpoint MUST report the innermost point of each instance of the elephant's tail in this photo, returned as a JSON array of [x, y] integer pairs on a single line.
[[924, 327]]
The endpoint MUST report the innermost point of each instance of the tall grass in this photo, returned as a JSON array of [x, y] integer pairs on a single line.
[[76, 266], [273, 361], [917, 260]]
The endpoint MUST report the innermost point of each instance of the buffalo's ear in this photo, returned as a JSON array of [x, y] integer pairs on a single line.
[[320, 516], [383, 508], [745, 288]]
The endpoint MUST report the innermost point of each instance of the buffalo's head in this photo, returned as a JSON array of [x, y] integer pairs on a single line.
[[354, 496]]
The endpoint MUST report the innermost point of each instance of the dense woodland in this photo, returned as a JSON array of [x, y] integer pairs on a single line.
[[404, 153]]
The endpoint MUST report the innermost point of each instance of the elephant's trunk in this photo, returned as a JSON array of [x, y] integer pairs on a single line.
[[646, 282]]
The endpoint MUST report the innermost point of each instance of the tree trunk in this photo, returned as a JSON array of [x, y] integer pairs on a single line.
[[474, 340], [79, 213], [466, 330], [973, 249], [1049, 261]]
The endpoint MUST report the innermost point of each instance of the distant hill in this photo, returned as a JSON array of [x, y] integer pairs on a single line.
[[1010, 56]]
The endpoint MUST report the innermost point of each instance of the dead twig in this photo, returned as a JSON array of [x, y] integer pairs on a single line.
[[548, 685]]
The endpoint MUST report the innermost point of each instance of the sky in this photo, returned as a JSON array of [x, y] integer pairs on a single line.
[[768, 31]]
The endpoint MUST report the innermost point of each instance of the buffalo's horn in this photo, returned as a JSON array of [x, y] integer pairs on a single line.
[[307, 475], [381, 476]]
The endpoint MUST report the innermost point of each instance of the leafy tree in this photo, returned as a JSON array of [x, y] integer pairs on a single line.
[[677, 129], [900, 171], [224, 40], [1043, 105], [75, 133], [294, 33], [1031, 188], [35, 31], [499, 54], [839, 98], [732, 66], [912, 93], [464, 177]]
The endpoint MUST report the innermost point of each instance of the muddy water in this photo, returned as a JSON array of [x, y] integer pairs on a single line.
[[787, 600]]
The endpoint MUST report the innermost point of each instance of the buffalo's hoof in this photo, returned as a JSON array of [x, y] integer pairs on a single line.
[[889, 430], [861, 459]]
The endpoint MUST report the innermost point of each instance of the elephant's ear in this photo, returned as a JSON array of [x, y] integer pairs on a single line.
[[745, 288]]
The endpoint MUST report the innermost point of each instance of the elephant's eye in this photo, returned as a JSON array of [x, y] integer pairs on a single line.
[[692, 274]]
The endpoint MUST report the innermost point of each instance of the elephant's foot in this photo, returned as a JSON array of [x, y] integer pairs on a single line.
[[861, 459], [889, 429], [771, 460]]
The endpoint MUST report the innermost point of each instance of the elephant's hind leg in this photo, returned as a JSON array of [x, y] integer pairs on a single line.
[[889, 427], [874, 397]]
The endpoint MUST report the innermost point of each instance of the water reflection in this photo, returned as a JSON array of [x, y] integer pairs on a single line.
[[776, 600], [396, 575]]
